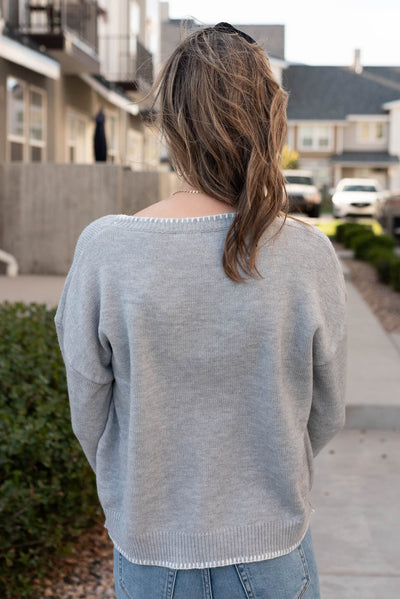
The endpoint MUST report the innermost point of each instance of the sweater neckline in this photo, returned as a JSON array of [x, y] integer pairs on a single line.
[[157, 223]]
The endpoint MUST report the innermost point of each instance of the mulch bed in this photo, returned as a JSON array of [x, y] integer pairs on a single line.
[[87, 573]]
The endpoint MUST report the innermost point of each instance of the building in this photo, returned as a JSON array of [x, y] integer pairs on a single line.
[[60, 63], [345, 121]]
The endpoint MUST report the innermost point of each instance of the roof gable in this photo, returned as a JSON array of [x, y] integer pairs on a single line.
[[331, 93]]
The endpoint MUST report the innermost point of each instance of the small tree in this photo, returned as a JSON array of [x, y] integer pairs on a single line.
[[290, 158]]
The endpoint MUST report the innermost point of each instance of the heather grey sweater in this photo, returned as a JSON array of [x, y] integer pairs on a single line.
[[199, 402]]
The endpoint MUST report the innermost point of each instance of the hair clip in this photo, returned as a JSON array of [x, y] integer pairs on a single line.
[[227, 28]]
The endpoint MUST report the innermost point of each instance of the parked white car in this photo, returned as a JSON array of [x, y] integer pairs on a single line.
[[302, 193], [357, 197]]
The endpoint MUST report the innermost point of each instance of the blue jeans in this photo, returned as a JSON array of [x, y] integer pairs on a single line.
[[291, 576]]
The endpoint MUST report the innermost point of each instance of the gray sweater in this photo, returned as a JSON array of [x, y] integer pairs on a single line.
[[200, 402]]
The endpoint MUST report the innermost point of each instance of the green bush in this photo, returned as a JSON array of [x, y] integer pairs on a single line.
[[395, 274], [354, 230], [382, 260], [364, 246], [47, 488], [347, 228], [360, 238]]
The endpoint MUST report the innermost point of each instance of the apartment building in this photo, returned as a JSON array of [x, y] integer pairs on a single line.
[[60, 63]]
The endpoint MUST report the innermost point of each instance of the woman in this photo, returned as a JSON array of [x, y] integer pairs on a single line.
[[200, 396]]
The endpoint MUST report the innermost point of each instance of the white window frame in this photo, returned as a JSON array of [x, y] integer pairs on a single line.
[[38, 143], [25, 140], [315, 147], [70, 110], [12, 137]]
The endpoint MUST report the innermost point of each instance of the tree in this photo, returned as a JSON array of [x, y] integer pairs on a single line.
[[290, 158]]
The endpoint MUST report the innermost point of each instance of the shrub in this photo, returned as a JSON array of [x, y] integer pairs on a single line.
[[382, 261], [395, 274], [47, 488], [360, 238], [351, 231], [364, 246], [343, 228]]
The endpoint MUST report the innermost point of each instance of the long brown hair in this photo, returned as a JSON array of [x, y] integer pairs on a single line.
[[223, 116]]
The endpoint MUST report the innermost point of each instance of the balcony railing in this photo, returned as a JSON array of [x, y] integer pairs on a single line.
[[46, 20], [126, 61]]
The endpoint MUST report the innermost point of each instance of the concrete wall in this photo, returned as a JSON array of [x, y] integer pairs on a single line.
[[44, 207]]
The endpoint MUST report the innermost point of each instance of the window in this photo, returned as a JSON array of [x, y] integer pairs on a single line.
[[26, 116], [299, 180], [36, 125], [77, 138], [315, 137], [368, 132], [359, 188]]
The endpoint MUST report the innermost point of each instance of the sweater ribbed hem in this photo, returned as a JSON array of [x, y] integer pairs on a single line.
[[178, 550]]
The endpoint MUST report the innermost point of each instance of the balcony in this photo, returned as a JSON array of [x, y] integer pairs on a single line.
[[126, 62], [67, 29]]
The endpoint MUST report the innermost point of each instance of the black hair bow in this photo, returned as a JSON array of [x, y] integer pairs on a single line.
[[227, 28]]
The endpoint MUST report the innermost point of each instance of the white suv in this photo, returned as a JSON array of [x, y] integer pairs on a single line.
[[357, 197], [302, 193]]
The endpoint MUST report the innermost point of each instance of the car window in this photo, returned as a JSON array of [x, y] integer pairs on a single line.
[[296, 179], [359, 188]]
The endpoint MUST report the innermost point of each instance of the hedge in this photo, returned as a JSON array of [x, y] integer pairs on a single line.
[[377, 249], [343, 227], [47, 488], [395, 274], [363, 245]]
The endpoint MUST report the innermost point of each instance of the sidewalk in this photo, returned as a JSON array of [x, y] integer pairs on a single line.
[[356, 523]]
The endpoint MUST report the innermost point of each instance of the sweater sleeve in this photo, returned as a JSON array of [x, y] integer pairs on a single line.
[[86, 351], [327, 415]]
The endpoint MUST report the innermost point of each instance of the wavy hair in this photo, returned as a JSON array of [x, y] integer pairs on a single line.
[[223, 115]]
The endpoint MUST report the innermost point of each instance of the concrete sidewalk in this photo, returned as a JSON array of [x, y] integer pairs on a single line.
[[357, 520]]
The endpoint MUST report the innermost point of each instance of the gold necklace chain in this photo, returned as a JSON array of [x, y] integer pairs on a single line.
[[186, 191]]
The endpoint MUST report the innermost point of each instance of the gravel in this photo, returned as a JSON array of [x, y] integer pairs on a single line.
[[88, 572]]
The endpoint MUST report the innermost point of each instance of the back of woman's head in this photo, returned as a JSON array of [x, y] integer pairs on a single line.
[[223, 116]]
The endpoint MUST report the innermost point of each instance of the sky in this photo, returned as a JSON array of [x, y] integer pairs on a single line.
[[317, 32]]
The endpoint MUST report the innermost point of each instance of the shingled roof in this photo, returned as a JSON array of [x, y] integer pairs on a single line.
[[331, 93], [370, 157]]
